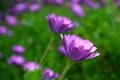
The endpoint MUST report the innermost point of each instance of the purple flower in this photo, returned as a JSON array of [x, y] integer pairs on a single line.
[[19, 8], [55, 76], [117, 3], [78, 49], [75, 1], [49, 74], [30, 66], [59, 24], [0, 55], [91, 4], [102, 2], [77, 10], [47, 1], [61, 49], [58, 2], [34, 7], [9, 33], [18, 49], [11, 20], [3, 30], [16, 60]]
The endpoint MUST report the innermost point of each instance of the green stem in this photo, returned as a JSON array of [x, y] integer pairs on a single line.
[[46, 50], [66, 68]]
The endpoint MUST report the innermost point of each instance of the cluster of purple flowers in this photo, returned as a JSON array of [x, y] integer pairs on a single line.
[[74, 47], [13, 10], [18, 60]]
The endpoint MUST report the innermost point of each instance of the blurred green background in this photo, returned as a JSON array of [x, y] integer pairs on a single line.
[[101, 26]]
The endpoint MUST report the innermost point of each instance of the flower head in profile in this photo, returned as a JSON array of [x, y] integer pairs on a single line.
[[16, 60], [49, 74], [78, 49], [31, 66], [59, 24], [18, 49]]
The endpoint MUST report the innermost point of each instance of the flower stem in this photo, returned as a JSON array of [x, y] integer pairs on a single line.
[[66, 68], [46, 50]]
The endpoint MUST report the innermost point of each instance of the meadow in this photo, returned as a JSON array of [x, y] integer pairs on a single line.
[[101, 26]]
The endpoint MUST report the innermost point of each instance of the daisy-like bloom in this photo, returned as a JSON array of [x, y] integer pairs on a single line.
[[77, 10], [11, 20], [16, 60], [59, 24], [31, 66], [3, 30], [34, 7], [49, 74], [78, 49], [18, 49]]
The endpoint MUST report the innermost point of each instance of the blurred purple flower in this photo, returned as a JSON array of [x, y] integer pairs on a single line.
[[55, 76], [78, 49], [0, 55], [77, 10], [49, 74], [30, 66], [16, 60], [75, 1], [58, 2], [117, 3], [10, 33], [61, 49], [11, 11], [20, 8], [11, 20], [91, 4], [3, 30], [59, 24], [18, 49], [34, 7], [47, 1], [103, 2]]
